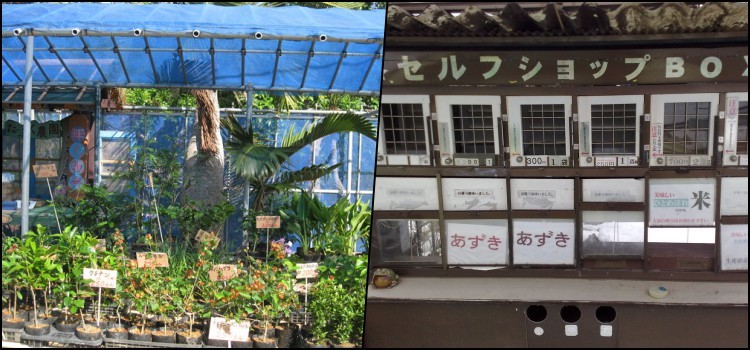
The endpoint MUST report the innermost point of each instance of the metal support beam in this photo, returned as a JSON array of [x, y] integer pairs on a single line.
[[87, 49], [12, 70], [307, 65], [276, 65], [213, 62], [243, 53], [116, 49], [372, 63], [182, 62], [151, 59], [249, 118], [38, 66], [59, 58], [26, 156], [338, 66], [98, 138]]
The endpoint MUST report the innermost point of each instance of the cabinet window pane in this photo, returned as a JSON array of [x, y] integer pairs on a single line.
[[742, 129], [614, 125], [471, 126], [409, 241], [546, 126], [612, 233], [403, 128], [686, 127]]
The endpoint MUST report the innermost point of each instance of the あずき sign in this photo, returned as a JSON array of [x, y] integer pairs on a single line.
[[543, 242]]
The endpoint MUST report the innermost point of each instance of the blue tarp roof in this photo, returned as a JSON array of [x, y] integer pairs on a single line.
[[118, 44]]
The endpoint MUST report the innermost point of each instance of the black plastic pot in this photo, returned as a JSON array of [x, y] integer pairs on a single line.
[[13, 323], [184, 337], [115, 332], [284, 334], [38, 329], [88, 333], [235, 344], [66, 326], [134, 333], [264, 342], [313, 345], [159, 336]]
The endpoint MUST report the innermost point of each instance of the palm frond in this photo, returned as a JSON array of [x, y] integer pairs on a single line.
[[291, 179], [332, 124]]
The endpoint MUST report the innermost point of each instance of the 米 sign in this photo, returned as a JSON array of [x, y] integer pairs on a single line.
[[682, 202], [267, 222]]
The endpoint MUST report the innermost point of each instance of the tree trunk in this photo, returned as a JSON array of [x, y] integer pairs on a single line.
[[204, 160]]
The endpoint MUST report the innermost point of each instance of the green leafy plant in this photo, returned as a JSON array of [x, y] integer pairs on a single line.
[[37, 259], [12, 271]]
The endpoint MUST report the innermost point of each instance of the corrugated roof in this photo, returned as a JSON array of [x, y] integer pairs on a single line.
[[587, 19]]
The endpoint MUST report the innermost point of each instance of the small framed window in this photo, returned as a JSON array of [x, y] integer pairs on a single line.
[[477, 242], [612, 233], [608, 130], [469, 129], [539, 130], [404, 125], [410, 241], [405, 193], [682, 129], [735, 129]]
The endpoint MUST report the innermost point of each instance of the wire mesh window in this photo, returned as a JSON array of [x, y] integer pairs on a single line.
[[742, 129], [472, 128], [543, 128], [613, 128], [687, 127], [404, 128], [409, 241]]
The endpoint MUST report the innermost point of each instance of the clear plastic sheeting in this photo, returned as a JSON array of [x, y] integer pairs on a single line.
[[202, 46]]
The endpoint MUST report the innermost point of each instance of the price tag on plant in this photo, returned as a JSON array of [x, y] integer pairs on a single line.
[[307, 270], [149, 259], [101, 278], [267, 222], [222, 272], [221, 329]]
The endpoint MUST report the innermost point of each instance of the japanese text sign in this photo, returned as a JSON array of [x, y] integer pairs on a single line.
[[222, 272], [398, 193], [653, 66], [682, 202], [45, 170], [734, 247], [101, 278], [547, 194], [148, 259], [543, 242], [221, 329], [267, 222], [307, 270], [474, 194], [477, 242]]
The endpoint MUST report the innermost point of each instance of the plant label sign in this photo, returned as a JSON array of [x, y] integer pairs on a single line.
[[222, 272], [101, 278], [267, 222], [148, 259], [101, 245], [45, 170], [221, 329], [203, 236], [307, 270]]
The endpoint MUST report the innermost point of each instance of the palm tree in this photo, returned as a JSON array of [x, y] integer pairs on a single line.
[[262, 165]]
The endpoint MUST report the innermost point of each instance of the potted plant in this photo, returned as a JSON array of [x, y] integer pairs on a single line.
[[38, 269], [12, 277]]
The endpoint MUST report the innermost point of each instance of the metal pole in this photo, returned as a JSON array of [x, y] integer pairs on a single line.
[[26, 156], [98, 139], [249, 116]]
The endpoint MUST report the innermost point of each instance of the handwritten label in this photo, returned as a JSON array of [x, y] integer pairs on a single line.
[[221, 329], [45, 170], [203, 236], [307, 270], [222, 272], [101, 245], [267, 222], [101, 278], [148, 259]]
